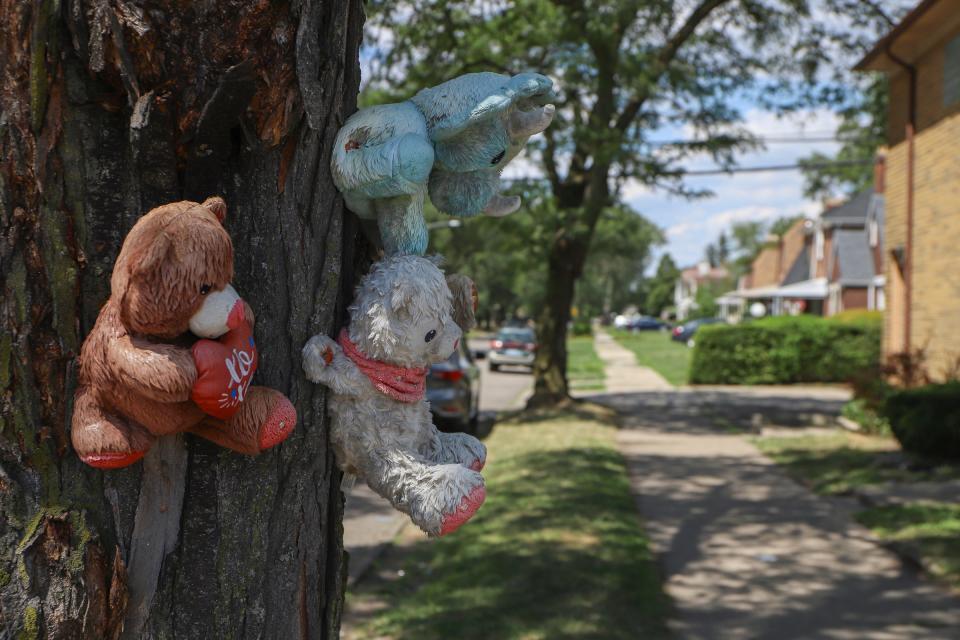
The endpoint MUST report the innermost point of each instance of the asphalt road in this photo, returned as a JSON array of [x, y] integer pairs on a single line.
[[501, 390]]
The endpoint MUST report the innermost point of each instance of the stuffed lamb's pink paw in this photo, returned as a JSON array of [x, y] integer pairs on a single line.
[[468, 506]]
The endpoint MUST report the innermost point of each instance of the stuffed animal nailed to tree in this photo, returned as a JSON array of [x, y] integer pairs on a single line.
[[451, 141], [144, 373], [404, 318]]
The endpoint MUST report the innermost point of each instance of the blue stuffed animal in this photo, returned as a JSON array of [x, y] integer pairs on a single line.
[[451, 141]]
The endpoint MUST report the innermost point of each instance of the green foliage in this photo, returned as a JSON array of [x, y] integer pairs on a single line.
[[661, 286], [507, 257], [784, 350], [926, 420], [619, 255], [860, 411], [582, 328], [862, 130], [557, 550]]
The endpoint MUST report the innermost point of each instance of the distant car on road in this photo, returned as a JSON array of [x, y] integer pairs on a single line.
[[512, 346], [453, 389], [685, 332], [646, 323]]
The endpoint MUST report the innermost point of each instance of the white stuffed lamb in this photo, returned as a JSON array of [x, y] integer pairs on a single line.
[[404, 318]]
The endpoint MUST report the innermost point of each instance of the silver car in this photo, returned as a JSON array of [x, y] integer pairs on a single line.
[[453, 389], [512, 346]]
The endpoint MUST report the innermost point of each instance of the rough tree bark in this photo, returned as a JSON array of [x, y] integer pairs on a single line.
[[107, 109]]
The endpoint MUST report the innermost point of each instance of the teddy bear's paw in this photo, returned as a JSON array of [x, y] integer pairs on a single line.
[[107, 460], [468, 506], [318, 354], [278, 425]]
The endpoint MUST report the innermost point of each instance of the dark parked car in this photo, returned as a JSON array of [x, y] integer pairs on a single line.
[[646, 323], [512, 346], [453, 389], [685, 332]]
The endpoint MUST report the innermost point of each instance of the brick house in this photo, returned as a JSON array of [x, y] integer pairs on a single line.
[[847, 255], [921, 182], [819, 266], [691, 281]]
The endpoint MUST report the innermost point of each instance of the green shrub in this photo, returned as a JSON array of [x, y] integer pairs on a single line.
[[860, 411], [784, 350], [582, 328], [926, 420]]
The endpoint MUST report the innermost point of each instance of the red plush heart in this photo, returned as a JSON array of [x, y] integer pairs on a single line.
[[224, 370]]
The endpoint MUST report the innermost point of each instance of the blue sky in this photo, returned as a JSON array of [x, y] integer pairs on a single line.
[[692, 224]]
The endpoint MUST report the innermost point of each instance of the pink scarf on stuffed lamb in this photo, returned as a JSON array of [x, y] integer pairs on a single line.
[[403, 384]]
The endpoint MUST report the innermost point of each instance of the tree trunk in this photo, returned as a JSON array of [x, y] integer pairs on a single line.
[[109, 108], [550, 366]]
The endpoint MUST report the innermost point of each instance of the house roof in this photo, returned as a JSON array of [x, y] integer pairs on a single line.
[[799, 270], [695, 273], [853, 211], [852, 254], [920, 28]]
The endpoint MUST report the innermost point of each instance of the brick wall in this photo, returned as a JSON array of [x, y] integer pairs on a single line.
[[936, 236], [930, 107]]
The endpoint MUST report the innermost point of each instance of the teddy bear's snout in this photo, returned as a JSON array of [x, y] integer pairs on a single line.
[[221, 311]]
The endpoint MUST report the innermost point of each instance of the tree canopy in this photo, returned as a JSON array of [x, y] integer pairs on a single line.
[[625, 69]]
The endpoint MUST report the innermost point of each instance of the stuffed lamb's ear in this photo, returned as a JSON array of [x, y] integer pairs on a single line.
[[526, 88], [402, 297], [465, 301]]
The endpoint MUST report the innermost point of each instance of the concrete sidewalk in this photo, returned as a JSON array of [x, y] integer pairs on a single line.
[[623, 374], [745, 551]]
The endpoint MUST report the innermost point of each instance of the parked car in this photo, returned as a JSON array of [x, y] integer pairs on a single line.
[[453, 389], [646, 323], [512, 346], [685, 332]]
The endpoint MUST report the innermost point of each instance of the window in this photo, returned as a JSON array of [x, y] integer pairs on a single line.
[[951, 72]]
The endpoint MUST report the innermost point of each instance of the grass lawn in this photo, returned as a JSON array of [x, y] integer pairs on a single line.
[[584, 368], [557, 551], [835, 464], [932, 528], [656, 350]]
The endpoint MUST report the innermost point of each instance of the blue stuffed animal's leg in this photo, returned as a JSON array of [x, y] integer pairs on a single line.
[[397, 167], [402, 227]]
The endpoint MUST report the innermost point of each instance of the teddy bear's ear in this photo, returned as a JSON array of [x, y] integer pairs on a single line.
[[217, 206], [151, 256], [465, 300]]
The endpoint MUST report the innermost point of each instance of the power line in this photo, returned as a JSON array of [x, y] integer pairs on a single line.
[[777, 167], [772, 140]]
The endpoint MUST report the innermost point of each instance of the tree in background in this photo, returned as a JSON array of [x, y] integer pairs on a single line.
[[661, 286], [619, 256], [108, 110], [862, 130], [624, 68]]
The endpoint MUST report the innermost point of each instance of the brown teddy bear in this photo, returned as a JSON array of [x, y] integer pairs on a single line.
[[143, 371]]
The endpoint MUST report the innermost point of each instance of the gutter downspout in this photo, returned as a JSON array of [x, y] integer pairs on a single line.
[[910, 130]]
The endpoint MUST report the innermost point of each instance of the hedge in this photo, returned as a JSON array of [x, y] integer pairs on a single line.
[[785, 350], [926, 420]]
